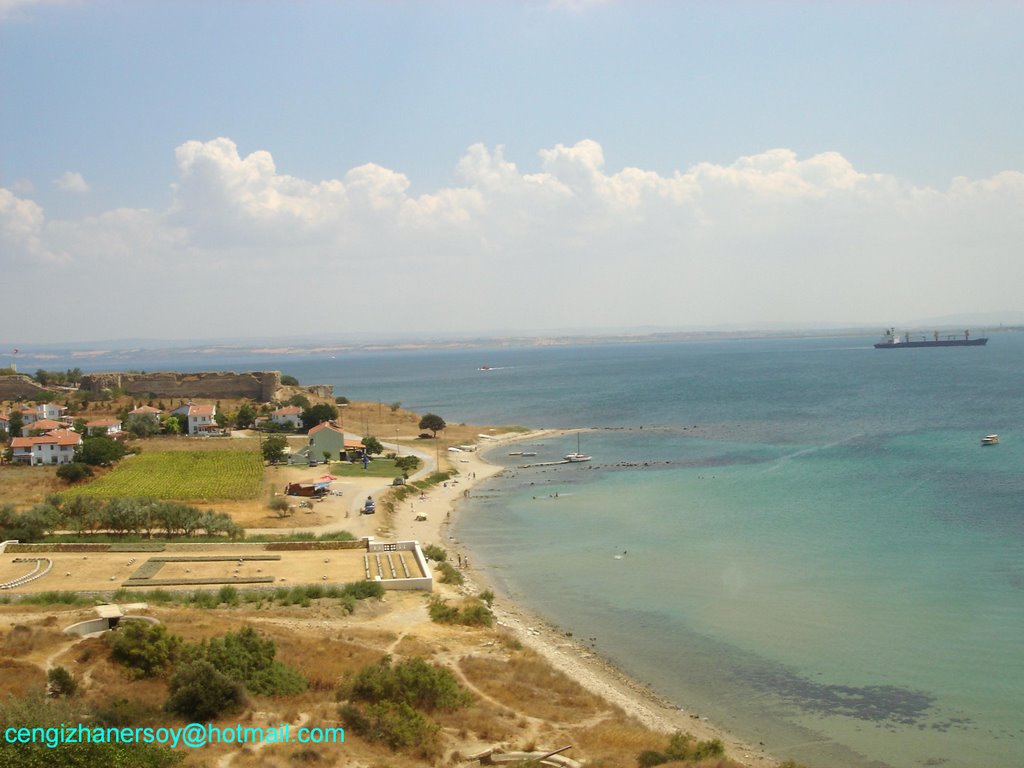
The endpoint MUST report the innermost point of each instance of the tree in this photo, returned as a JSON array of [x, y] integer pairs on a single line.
[[100, 451], [280, 506], [273, 448], [318, 413], [433, 422], [16, 422], [407, 464], [142, 425], [300, 400], [289, 381], [373, 446], [245, 417], [395, 406], [172, 425]]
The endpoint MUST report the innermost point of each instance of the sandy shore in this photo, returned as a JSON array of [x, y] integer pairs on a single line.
[[440, 508], [575, 660]]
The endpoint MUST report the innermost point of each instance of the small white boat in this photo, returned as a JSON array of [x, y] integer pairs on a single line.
[[574, 458], [990, 440], [529, 453], [515, 453]]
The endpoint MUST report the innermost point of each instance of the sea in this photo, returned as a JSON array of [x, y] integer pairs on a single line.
[[802, 540]]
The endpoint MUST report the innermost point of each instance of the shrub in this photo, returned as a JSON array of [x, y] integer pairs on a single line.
[[681, 746], [74, 472], [413, 682], [441, 612], [248, 658], [361, 590], [146, 649], [396, 724], [474, 613], [434, 552], [201, 692], [61, 682], [123, 713], [449, 575]]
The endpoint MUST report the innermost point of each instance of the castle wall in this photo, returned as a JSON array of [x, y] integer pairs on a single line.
[[19, 385], [257, 385]]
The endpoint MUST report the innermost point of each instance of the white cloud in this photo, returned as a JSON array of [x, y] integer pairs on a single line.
[[21, 232], [71, 181], [16, 10], [768, 237]]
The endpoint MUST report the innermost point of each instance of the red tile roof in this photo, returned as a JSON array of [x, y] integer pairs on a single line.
[[58, 436], [44, 424], [327, 425]]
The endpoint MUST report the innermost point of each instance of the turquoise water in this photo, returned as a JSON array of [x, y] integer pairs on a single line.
[[841, 604], [819, 555]]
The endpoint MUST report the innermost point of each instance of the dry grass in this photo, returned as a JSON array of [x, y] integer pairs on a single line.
[[17, 678], [33, 638], [482, 721], [529, 685], [24, 486]]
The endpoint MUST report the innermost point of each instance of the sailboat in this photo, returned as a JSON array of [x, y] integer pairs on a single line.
[[574, 458]]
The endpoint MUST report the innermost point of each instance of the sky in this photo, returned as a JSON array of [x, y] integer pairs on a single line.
[[185, 169]]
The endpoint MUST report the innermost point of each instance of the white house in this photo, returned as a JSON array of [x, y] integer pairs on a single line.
[[57, 447], [290, 416], [41, 425], [199, 418], [50, 411], [5, 422], [146, 411], [108, 427]]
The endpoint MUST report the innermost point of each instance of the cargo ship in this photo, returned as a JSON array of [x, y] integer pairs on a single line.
[[892, 340]]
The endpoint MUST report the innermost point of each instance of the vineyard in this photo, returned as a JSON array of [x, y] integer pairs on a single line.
[[182, 476]]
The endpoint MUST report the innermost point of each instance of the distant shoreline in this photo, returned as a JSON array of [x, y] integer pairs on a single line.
[[127, 349]]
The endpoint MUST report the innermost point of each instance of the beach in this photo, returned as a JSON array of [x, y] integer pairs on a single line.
[[580, 663]]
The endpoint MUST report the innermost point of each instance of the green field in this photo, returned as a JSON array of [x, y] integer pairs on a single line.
[[181, 475], [378, 468]]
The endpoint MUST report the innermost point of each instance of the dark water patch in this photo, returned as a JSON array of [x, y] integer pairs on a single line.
[[889, 704], [704, 462]]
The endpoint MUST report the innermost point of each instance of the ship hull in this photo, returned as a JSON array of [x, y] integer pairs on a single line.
[[941, 343]]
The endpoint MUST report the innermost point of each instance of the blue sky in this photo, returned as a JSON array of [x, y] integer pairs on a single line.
[[669, 164]]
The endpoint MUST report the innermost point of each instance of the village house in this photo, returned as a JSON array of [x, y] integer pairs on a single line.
[[41, 425], [290, 416], [146, 411], [105, 427], [57, 447], [328, 438], [199, 418], [50, 411]]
